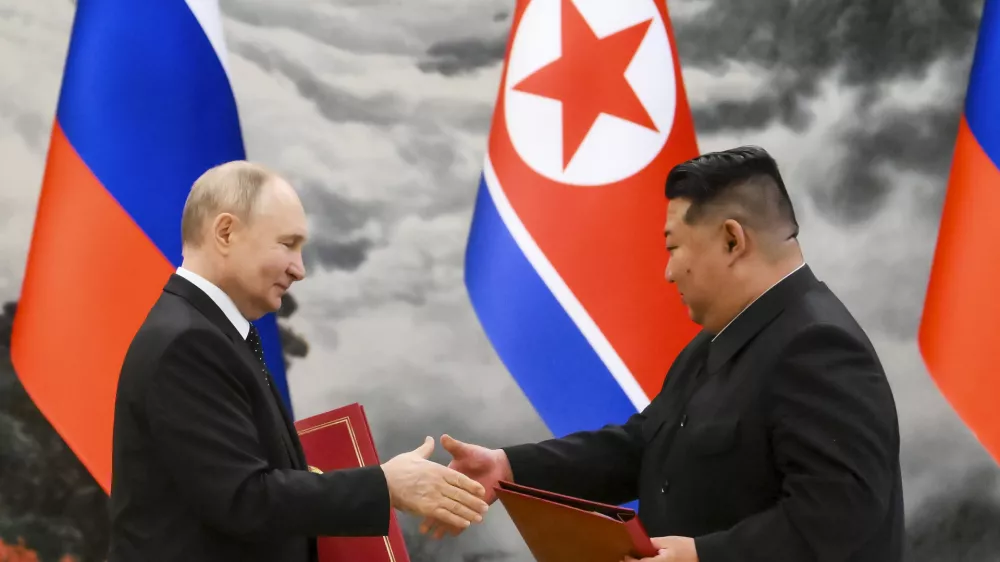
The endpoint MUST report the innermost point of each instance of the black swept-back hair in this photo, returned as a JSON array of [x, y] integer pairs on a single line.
[[744, 181]]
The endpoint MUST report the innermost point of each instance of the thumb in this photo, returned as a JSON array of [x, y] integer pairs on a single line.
[[452, 445], [426, 449]]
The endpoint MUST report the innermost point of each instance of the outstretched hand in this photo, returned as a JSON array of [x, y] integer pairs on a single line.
[[422, 487], [487, 467]]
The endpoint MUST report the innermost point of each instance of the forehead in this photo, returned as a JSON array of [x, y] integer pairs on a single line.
[[676, 210], [280, 206]]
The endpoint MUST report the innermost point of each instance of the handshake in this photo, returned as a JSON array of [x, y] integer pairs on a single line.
[[449, 498], [452, 498]]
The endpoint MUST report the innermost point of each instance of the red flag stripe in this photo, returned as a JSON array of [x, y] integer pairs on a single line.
[[72, 377], [959, 338]]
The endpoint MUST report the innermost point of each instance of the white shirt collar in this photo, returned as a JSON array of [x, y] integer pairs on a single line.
[[221, 299], [801, 265]]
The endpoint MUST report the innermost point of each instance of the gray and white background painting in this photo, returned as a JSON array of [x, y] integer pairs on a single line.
[[378, 110]]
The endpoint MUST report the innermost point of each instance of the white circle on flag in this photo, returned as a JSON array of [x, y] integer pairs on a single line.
[[614, 148]]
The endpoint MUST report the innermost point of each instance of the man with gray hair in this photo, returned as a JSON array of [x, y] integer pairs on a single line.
[[207, 464]]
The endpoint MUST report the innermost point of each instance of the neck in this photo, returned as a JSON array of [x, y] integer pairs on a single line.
[[769, 274], [214, 272], [196, 262], [762, 277]]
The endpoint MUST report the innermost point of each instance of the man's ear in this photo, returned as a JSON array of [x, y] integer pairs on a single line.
[[223, 228], [734, 237]]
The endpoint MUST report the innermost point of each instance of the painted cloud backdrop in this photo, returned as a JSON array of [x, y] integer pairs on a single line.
[[378, 110]]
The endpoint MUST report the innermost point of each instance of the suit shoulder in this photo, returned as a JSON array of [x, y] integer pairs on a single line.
[[820, 310], [170, 321]]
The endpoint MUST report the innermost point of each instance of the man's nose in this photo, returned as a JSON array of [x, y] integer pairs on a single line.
[[297, 270], [667, 274]]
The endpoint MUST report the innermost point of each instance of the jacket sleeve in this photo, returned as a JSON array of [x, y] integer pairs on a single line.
[[836, 444], [601, 465], [203, 433]]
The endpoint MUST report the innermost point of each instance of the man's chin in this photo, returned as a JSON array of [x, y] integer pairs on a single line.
[[264, 308], [277, 293], [694, 316], [274, 303]]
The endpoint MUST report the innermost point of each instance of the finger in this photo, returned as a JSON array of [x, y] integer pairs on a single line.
[[465, 500], [426, 449], [476, 500], [437, 529], [440, 529], [449, 518], [462, 481], [429, 526], [433, 527], [458, 508]]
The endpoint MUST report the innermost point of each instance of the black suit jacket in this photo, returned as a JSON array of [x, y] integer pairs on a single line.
[[207, 465], [776, 442]]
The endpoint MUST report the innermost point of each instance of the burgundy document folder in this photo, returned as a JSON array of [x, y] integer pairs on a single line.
[[341, 439], [559, 528]]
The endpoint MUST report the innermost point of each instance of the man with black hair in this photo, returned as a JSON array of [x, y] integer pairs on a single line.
[[775, 436]]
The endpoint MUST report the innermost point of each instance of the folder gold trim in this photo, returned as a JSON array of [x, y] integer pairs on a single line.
[[357, 452]]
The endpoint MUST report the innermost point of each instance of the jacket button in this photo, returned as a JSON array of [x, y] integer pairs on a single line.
[[666, 487], [684, 420]]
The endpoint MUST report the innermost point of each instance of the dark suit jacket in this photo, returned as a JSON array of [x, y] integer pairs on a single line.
[[207, 465], [776, 442]]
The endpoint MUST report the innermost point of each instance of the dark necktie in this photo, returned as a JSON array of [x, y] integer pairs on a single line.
[[253, 340]]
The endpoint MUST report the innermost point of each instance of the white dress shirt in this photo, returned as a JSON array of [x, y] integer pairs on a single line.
[[801, 265], [220, 298]]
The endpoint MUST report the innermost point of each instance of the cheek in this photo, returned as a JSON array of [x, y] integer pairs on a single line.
[[687, 266], [274, 264], [697, 273], [711, 271]]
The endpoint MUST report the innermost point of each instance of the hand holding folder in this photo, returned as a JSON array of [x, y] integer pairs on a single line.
[[559, 528], [341, 439]]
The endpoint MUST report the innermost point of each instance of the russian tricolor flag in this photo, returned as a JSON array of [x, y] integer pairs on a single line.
[[145, 108], [565, 260], [959, 332]]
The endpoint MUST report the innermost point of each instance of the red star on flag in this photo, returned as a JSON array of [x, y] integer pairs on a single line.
[[589, 78]]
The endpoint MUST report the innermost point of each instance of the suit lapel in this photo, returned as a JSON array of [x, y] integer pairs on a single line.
[[286, 436], [296, 455], [707, 357], [204, 304]]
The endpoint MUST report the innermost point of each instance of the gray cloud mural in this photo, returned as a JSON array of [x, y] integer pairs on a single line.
[[379, 111]]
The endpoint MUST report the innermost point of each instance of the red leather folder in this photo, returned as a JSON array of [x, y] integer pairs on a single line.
[[559, 528], [341, 439]]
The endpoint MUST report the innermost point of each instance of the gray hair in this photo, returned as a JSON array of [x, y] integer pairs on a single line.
[[233, 187]]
